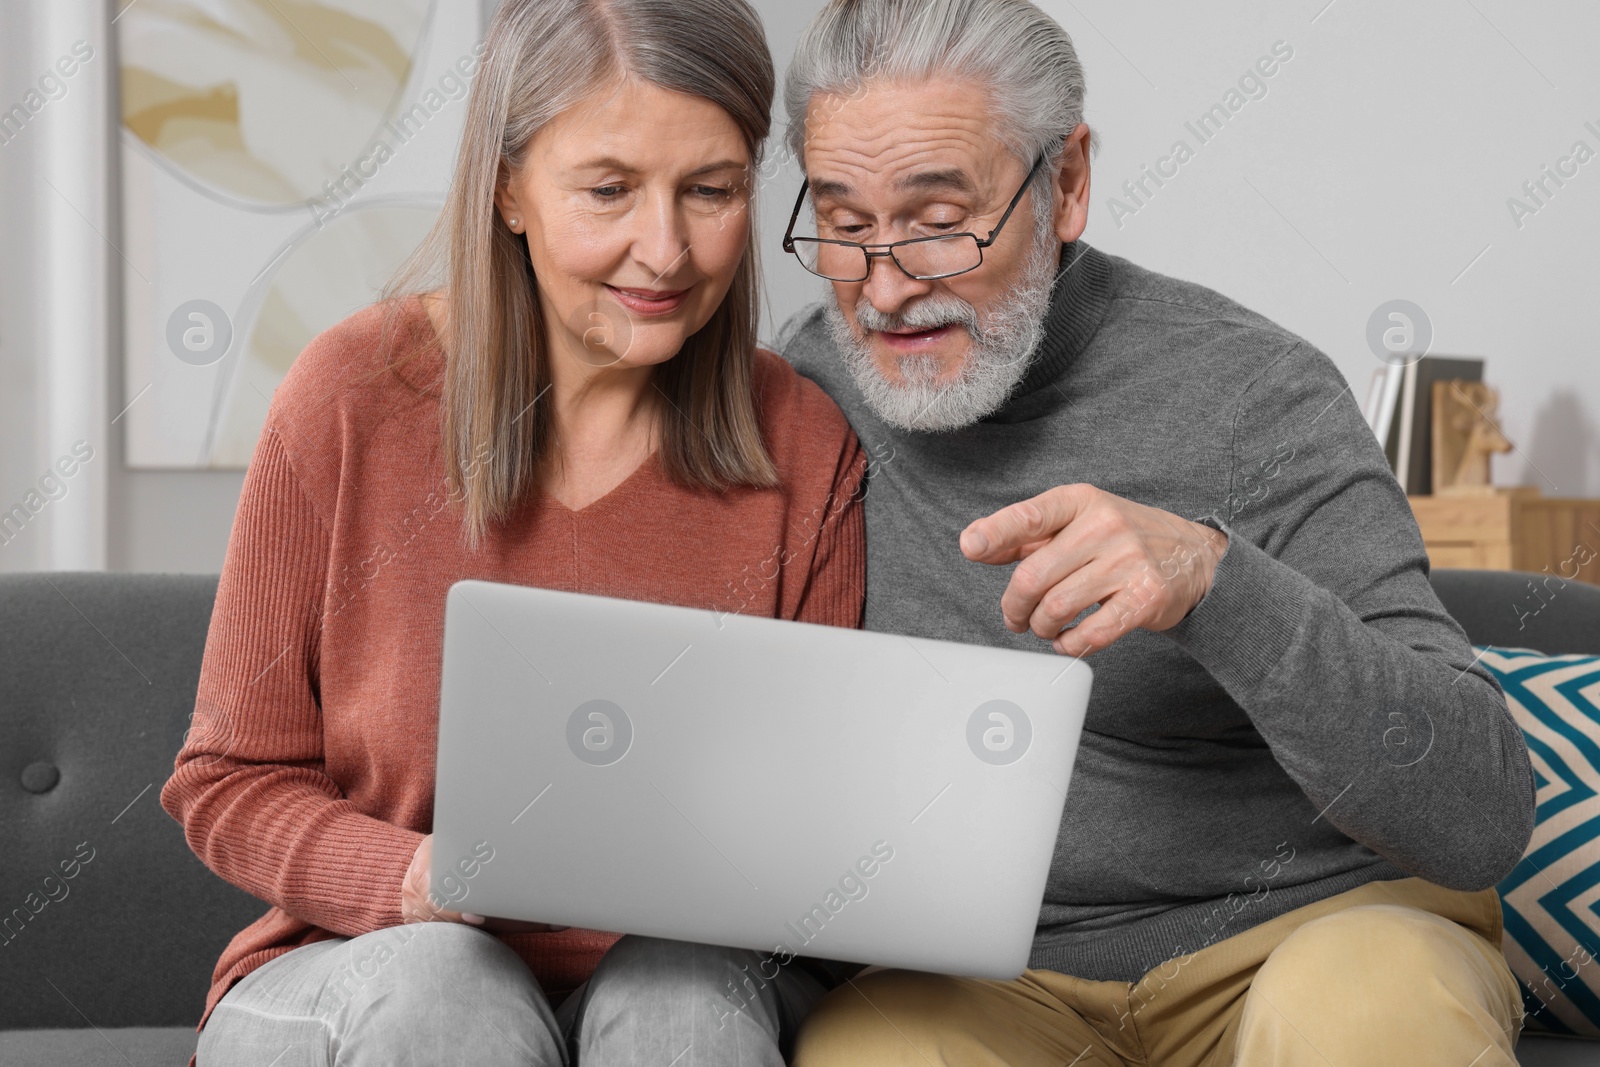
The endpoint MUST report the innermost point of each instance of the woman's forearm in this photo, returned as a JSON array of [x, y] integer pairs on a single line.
[[249, 785], [284, 834]]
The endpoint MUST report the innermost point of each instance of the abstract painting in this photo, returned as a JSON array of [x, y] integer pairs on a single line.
[[280, 160]]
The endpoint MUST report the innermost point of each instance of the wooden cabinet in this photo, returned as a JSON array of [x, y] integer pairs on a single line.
[[1512, 529]]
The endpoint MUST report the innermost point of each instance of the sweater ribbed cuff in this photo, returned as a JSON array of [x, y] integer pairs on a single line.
[[342, 870], [359, 873], [1252, 615]]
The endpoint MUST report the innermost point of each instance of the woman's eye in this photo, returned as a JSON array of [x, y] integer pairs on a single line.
[[607, 192], [711, 192]]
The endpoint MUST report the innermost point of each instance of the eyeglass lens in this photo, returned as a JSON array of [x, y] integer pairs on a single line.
[[955, 254]]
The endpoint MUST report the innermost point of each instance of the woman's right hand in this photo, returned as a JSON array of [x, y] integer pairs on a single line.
[[417, 905]]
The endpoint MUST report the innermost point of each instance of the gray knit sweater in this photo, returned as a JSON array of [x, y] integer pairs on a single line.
[[1316, 723]]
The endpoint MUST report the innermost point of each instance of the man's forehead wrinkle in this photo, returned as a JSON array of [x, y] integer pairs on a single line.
[[899, 116], [926, 167], [938, 155], [877, 137]]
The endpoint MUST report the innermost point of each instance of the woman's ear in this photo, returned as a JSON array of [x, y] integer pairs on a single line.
[[509, 204]]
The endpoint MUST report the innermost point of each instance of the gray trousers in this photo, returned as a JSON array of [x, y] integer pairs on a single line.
[[438, 993]]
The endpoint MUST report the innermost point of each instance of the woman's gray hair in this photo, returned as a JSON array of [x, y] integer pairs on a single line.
[[541, 59], [1023, 56]]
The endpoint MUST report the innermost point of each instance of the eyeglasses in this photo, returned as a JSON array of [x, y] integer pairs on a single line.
[[923, 258]]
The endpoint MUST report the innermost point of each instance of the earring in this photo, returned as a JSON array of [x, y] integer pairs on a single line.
[[512, 222]]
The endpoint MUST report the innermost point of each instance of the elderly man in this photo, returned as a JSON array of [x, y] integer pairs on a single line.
[[1295, 789]]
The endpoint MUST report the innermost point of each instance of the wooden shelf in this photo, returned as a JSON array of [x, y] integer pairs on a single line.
[[1512, 529]]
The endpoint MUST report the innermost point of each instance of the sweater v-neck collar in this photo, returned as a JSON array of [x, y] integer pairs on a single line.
[[649, 470]]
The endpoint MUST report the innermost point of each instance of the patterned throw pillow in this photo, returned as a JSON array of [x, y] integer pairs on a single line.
[[1551, 900]]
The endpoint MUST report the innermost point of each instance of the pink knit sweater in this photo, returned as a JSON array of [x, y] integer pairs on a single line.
[[307, 779]]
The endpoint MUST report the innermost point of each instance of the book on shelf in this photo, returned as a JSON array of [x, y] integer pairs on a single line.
[[1399, 408]]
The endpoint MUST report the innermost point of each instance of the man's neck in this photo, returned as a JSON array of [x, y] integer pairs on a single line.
[[1077, 305]]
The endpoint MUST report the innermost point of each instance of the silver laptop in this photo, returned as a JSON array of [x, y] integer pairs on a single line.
[[778, 786]]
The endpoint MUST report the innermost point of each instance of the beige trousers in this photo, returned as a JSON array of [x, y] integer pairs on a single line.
[[1402, 972]]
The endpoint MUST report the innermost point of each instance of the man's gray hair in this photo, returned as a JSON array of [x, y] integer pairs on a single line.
[[1023, 56]]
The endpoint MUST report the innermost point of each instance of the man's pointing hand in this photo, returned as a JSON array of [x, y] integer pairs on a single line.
[[1080, 546]]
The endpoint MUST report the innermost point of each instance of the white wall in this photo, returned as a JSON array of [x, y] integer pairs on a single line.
[[55, 198], [1377, 166], [18, 381]]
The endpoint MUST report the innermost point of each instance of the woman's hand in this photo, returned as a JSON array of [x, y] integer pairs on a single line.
[[417, 905]]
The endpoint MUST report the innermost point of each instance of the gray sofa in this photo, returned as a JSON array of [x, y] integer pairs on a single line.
[[97, 681]]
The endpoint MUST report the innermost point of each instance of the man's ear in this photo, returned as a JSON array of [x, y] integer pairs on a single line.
[[1071, 188]]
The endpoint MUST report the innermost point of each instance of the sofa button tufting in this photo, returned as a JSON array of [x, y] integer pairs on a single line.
[[40, 777]]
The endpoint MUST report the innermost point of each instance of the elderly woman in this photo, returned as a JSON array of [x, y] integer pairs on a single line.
[[575, 401]]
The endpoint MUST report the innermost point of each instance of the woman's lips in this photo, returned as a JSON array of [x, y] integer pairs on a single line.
[[650, 303]]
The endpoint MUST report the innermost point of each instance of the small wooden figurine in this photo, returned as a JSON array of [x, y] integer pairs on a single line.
[[1464, 436]]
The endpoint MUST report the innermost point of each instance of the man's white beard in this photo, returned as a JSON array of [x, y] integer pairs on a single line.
[[1003, 342]]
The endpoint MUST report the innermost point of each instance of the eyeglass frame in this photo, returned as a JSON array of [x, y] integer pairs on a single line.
[[888, 249]]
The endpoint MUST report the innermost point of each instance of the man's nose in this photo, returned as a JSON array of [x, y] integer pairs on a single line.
[[888, 288]]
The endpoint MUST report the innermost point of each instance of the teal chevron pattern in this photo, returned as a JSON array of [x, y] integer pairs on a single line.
[[1551, 901]]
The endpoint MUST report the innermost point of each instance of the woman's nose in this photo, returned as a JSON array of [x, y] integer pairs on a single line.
[[661, 242]]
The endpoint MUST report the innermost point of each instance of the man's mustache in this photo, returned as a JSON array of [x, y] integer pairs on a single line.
[[929, 313]]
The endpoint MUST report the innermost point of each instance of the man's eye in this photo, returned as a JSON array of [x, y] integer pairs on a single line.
[[711, 192]]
